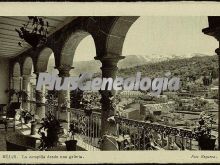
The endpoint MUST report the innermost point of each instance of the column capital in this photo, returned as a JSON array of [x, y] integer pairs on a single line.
[[217, 51], [37, 73], [40, 96], [16, 77], [64, 70], [109, 58], [214, 32], [26, 77], [109, 62]]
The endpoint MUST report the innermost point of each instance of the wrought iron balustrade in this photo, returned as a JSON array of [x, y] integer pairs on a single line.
[[132, 134], [90, 128], [140, 135]]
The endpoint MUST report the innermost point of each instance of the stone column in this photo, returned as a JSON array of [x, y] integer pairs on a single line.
[[214, 31], [17, 87], [40, 101], [218, 53], [63, 95], [26, 88], [10, 87], [109, 70]]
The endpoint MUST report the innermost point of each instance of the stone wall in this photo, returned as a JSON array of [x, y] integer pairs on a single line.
[[4, 83]]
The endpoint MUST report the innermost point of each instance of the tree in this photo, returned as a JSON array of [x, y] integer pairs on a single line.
[[76, 98], [214, 73], [206, 81]]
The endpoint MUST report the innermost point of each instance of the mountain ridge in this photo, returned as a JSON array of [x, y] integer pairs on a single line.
[[93, 66]]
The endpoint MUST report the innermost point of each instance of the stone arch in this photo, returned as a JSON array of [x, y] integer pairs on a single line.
[[43, 59], [27, 66], [117, 34], [16, 70], [69, 47]]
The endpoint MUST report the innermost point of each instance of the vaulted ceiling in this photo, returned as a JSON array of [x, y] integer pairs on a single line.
[[9, 37]]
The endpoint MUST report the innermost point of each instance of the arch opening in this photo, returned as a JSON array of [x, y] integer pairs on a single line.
[[70, 46], [79, 52], [16, 70], [157, 45], [27, 66], [179, 37]]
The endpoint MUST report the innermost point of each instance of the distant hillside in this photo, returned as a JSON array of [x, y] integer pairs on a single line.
[[152, 67], [195, 66], [131, 61], [93, 66]]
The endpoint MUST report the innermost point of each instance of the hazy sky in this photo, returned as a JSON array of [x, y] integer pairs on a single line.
[[160, 36]]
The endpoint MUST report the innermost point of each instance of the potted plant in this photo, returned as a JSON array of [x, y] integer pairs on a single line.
[[27, 116], [34, 32], [88, 110], [206, 140], [23, 95], [11, 93], [86, 105], [64, 105], [34, 124], [71, 142], [109, 141], [51, 131]]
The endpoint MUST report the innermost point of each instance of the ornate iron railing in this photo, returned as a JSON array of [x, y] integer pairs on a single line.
[[90, 128], [140, 135], [132, 134]]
